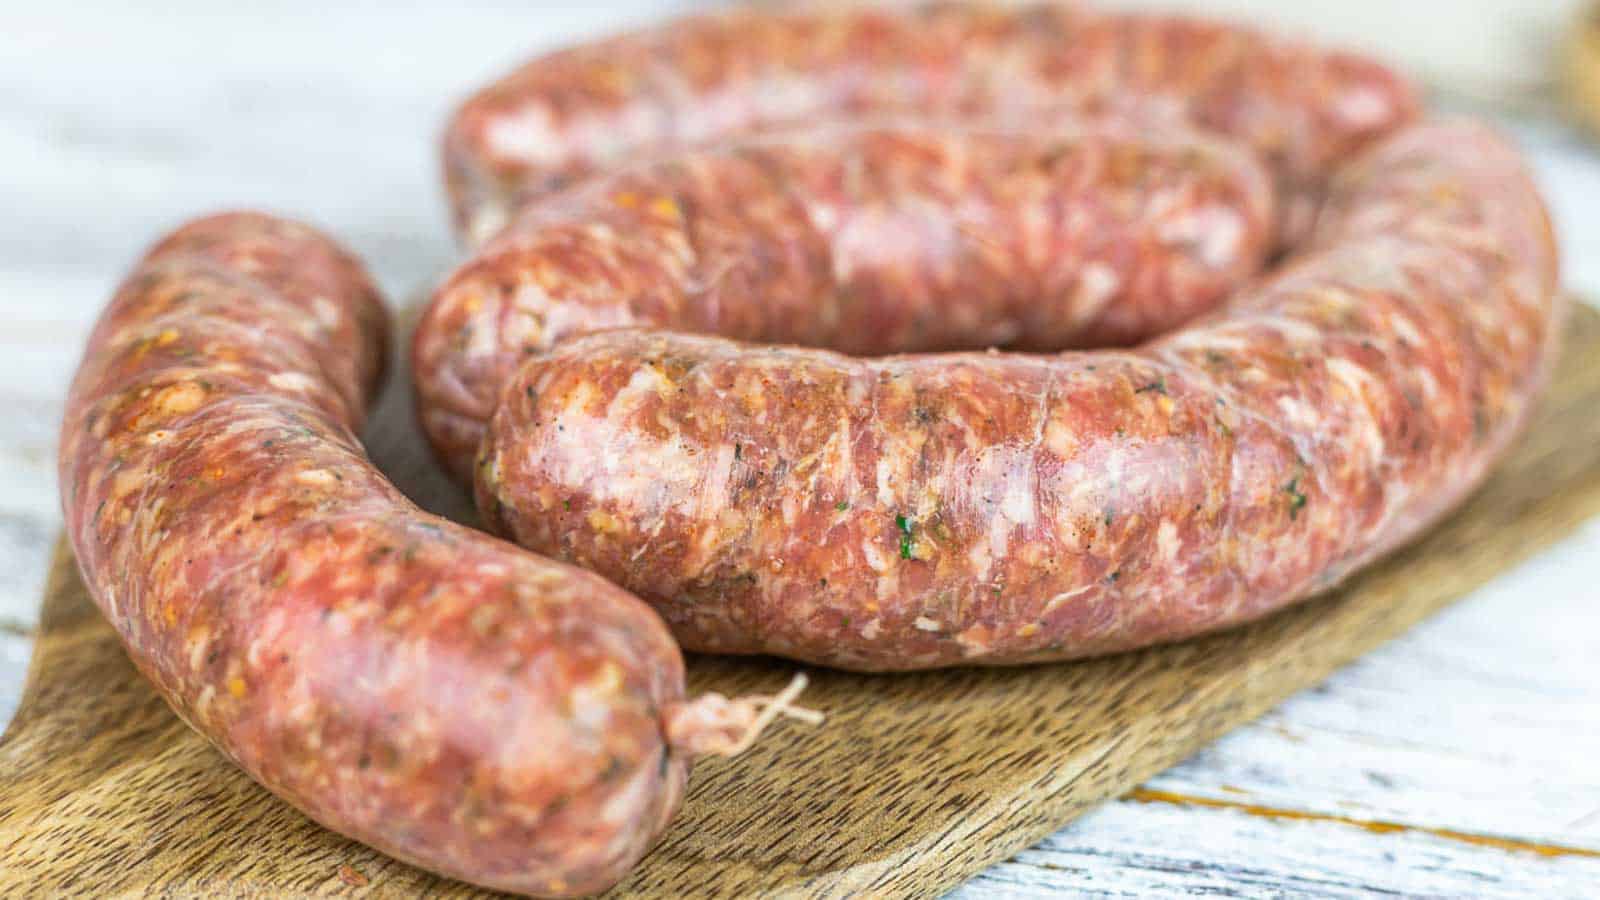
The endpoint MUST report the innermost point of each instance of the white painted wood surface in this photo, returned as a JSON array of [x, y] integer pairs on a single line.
[[1420, 770], [1490, 49]]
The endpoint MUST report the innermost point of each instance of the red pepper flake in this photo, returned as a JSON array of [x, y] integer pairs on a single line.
[[352, 876]]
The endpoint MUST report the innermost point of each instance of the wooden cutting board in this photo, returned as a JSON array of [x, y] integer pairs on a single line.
[[915, 783]]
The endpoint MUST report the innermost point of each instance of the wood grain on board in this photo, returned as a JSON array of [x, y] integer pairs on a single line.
[[915, 783]]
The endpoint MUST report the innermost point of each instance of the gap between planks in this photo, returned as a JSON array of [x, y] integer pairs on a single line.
[[1376, 826]]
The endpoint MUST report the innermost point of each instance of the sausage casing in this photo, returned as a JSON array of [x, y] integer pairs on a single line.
[[705, 78], [437, 693], [920, 511], [868, 238]]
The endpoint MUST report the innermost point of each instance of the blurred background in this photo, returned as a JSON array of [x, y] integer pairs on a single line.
[[1497, 50], [120, 118]]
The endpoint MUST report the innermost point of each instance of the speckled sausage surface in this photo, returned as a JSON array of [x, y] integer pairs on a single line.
[[905, 238], [429, 690], [707, 77], [868, 238], [920, 511]]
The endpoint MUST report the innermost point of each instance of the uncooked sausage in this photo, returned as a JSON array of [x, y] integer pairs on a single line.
[[439, 694], [922, 511], [721, 78], [708, 77], [868, 238]]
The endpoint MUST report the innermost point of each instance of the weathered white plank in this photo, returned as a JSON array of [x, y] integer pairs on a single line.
[[1132, 849], [1485, 719], [133, 118]]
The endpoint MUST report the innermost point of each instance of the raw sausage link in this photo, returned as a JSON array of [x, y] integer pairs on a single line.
[[923, 511], [866, 238], [570, 113], [424, 688]]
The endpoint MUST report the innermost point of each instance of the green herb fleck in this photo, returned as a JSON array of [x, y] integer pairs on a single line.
[[738, 451], [841, 506], [906, 533], [1110, 514], [1297, 497], [1112, 578], [1159, 386], [566, 505]]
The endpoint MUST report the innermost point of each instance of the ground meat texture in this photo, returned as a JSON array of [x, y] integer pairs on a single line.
[[704, 78], [920, 511], [865, 238], [429, 690]]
